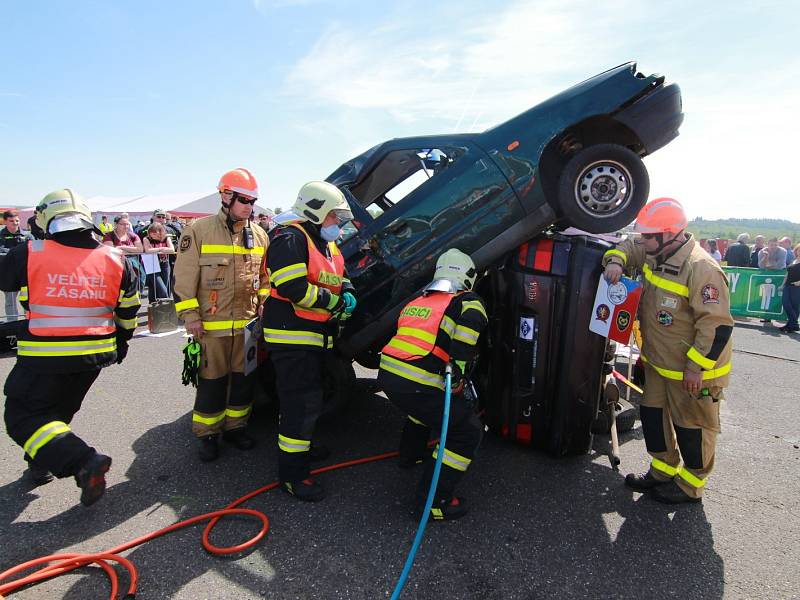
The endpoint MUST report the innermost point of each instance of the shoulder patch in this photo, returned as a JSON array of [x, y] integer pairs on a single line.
[[186, 241], [710, 294]]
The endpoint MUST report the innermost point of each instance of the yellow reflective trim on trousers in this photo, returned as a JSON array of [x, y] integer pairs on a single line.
[[678, 375], [186, 304], [466, 335], [420, 334], [691, 479], [410, 372], [437, 514], [415, 421], [208, 420], [43, 435], [23, 294], [230, 249], [665, 284], [661, 466], [219, 325], [288, 444], [285, 274], [407, 347], [701, 360], [615, 252], [473, 304], [235, 413], [452, 460], [126, 323]]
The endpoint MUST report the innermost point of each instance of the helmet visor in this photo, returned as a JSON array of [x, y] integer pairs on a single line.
[[69, 222]]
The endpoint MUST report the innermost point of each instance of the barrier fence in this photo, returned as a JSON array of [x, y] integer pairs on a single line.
[[756, 293]]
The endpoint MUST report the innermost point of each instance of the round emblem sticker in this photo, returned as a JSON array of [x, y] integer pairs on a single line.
[[664, 318], [602, 313], [623, 320], [617, 293]]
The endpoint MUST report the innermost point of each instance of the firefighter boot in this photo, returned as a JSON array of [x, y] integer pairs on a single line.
[[91, 478], [36, 473], [239, 438], [445, 507], [672, 494], [209, 447], [306, 490], [641, 482]]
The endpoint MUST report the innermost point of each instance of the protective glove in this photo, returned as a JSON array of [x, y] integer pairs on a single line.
[[349, 303], [122, 350], [191, 362]]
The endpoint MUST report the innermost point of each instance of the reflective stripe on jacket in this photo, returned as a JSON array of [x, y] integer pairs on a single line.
[[684, 311], [321, 272], [217, 279], [72, 291]]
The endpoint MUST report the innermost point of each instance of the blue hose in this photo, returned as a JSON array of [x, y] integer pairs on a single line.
[[431, 492]]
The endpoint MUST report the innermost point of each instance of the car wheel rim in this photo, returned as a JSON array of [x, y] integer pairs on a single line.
[[604, 188]]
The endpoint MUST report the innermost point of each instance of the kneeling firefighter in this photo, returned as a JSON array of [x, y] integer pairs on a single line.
[[81, 301], [686, 327], [439, 327], [220, 280], [309, 294]]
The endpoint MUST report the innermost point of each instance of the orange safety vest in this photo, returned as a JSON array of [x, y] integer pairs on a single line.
[[322, 272], [418, 328], [72, 291]]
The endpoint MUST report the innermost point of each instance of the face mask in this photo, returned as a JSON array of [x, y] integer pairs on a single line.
[[330, 233]]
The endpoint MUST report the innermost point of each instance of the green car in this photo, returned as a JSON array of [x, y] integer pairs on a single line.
[[573, 160]]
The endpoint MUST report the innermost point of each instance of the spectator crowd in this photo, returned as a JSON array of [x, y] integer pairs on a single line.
[[771, 254]]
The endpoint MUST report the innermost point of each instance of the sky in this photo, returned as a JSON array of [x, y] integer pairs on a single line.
[[128, 97]]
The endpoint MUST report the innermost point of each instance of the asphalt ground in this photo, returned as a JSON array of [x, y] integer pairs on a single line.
[[538, 527]]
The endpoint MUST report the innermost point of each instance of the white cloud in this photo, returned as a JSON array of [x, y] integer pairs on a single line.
[[469, 69]]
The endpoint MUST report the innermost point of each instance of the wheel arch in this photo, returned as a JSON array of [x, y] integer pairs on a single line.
[[599, 129]]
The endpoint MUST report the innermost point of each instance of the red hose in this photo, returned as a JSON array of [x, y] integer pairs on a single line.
[[65, 563]]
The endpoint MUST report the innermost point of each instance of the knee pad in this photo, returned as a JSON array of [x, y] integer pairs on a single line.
[[653, 428], [690, 443]]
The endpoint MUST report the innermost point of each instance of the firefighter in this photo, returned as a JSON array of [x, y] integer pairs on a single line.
[[309, 295], [440, 326], [220, 283], [81, 301], [686, 328]]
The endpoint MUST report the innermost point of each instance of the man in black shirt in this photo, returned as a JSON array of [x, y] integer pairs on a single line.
[[11, 236]]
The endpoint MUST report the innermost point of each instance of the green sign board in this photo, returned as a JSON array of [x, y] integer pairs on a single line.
[[756, 292]]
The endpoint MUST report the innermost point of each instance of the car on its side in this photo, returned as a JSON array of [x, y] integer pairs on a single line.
[[573, 160]]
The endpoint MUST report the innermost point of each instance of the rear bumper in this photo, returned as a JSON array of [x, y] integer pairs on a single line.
[[655, 118]]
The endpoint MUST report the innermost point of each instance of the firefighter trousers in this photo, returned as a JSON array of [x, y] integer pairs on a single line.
[[425, 408], [298, 381], [678, 426], [224, 395], [39, 410]]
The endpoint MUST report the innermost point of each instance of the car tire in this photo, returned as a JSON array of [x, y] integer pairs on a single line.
[[625, 414], [602, 188]]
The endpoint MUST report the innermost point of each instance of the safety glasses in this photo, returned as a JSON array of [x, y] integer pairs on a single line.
[[649, 236], [244, 199]]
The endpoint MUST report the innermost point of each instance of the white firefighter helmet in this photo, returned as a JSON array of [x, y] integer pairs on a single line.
[[317, 198], [455, 272]]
